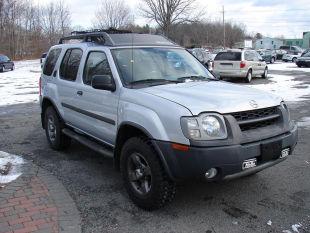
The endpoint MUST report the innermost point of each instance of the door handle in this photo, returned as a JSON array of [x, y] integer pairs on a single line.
[[79, 93]]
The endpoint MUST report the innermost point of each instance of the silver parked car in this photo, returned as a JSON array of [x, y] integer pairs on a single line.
[[159, 113], [240, 63]]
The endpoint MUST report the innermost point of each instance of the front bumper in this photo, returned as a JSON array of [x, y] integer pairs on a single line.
[[228, 160]]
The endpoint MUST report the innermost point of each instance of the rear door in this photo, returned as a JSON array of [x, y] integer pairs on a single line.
[[67, 86], [227, 61], [261, 64]]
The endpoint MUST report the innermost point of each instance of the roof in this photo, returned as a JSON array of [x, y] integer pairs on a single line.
[[112, 37]]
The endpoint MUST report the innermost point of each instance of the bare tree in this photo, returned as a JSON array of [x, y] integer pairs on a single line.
[[167, 13], [56, 20], [113, 14]]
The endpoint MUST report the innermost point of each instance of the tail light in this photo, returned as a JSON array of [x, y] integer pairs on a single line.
[[242, 64], [40, 87]]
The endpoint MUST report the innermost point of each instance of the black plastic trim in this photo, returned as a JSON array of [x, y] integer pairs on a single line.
[[89, 114]]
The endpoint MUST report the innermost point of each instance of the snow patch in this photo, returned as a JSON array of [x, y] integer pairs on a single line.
[[286, 87], [11, 165], [283, 66], [22, 84], [286, 231], [269, 223], [295, 227]]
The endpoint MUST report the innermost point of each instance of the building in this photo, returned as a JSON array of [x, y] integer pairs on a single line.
[[306, 40], [294, 42], [303, 43], [268, 43], [243, 44]]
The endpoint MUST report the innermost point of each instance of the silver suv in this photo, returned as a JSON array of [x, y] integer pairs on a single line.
[[158, 112], [240, 63]]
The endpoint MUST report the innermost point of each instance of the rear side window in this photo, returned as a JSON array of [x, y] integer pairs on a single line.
[[70, 64], [51, 61], [228, 56], [96, 64]]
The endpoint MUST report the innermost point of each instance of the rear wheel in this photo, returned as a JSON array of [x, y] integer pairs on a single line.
[[144, 177], [249, 76], [265, 74], [53, 129]]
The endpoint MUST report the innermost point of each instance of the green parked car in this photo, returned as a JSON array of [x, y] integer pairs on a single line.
[[268, 55]]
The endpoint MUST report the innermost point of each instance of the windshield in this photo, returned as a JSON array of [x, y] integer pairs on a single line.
[[156, 66]]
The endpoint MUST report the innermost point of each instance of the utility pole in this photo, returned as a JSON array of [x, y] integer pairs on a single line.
[[224, 32]]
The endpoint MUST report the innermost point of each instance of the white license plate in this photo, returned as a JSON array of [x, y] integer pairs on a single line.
[[249, 164], [285, 153]]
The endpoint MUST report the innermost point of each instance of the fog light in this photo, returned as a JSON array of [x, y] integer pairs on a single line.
[[211, 173]]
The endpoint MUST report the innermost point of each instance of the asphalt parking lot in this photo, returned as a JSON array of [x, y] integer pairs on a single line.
[[274, 200]]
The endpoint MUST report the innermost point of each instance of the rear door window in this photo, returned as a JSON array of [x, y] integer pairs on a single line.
[[51, 61], [70, 64], [228, 56]]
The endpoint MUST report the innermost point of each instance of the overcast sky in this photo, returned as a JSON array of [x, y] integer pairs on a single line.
[[270, 17]]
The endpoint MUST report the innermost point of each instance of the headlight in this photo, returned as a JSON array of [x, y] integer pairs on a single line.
[[208, 126]]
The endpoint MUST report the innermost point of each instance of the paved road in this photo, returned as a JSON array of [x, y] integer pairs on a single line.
[[280, 194]]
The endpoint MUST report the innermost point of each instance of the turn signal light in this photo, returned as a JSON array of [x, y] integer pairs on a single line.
[[180, 147]]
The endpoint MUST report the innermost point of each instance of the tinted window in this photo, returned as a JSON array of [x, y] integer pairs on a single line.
[[306, 55], [70, 64], [51, 61], [228, 56], [285, 47], [96, 64]]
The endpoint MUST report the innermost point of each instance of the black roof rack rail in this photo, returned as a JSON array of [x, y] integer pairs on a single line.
[[100, 36]]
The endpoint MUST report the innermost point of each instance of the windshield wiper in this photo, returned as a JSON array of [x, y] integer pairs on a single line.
[[196, 77], [153, 81]]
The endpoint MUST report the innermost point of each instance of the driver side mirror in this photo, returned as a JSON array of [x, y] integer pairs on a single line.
[[103, 82]]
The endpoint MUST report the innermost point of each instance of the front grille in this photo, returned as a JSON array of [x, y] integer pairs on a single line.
[[258, 118]]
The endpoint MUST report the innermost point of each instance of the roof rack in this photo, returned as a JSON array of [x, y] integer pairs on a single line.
[[114, 37], [100, 36]]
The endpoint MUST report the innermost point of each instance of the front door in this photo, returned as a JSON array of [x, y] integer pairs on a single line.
[[99, 107]]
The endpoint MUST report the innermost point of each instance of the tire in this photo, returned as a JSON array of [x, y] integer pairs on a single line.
[[299, 66], [272, 60], [53, 130], [294, 60], [265, 75], [1, 69], [12, 68], [139, 158], [249, 76]]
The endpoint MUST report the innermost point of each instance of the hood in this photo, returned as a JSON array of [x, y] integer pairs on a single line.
[[303, 59], [214, 96]]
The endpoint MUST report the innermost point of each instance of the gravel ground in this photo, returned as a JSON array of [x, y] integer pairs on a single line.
[[274, 200]]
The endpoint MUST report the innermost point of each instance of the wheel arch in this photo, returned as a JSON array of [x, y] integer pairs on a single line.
[[128, 130], [47, 102]]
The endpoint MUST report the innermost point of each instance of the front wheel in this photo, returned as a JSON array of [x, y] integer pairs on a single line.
[[265, 74], [1, 69], [144, 177], [272, 60], [12, 68], [53, 129], [294, 59]]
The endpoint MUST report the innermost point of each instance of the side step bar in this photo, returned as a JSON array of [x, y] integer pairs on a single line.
[[89, 143]]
